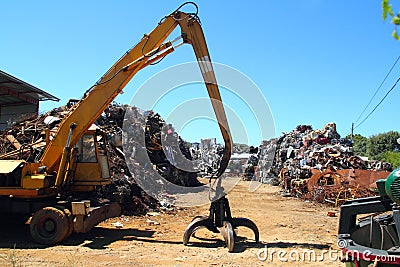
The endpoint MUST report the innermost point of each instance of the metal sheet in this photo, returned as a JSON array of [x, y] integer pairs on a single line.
[[20, 90], [7, 166]]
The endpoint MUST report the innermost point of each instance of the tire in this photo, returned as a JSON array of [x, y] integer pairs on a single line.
[[70, 222], [49, 226]]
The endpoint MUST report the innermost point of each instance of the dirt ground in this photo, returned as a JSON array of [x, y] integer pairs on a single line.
[[292, 233]]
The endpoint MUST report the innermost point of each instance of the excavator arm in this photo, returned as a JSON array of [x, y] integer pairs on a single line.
[[150, 49]]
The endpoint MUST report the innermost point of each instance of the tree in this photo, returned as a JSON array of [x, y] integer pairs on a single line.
[[381, 143], [392, 157], [395, 19], [360, 145]]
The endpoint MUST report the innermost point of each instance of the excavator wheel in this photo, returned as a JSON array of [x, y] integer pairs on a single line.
[[70, 222], [49, 226], [70, 219]]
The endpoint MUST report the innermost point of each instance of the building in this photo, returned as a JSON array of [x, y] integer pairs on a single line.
[[19, 99]]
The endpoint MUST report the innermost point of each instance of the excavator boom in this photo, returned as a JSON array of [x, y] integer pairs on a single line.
[[150, 49]]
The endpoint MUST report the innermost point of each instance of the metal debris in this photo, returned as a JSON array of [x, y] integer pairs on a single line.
[[318, 165], [27, 140]]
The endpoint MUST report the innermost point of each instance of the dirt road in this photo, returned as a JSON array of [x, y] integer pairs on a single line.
[[292, 233]]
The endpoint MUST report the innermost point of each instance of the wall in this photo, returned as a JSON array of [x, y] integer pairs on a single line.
[[15, 113]]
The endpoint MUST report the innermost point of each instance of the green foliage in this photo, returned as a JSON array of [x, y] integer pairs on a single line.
[[395, 35], [391, 157], [395, 19], [386, 9], [383, 147], [360, 145], [381, 143]]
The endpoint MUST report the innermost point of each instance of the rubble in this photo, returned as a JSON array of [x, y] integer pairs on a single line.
[[318, 165], [207, 155], [27, 140], [315, 165]]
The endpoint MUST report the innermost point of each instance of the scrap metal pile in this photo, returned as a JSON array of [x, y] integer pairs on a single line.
[[318, 165], [206, 156], [27, 140]]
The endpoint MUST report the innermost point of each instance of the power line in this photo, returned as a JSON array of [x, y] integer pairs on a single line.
[[378, 89], [378, 104]]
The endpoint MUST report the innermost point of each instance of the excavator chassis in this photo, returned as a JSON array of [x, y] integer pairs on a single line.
[[53, 221]]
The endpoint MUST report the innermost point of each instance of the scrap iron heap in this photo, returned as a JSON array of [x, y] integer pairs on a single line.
[[27, 139], [318, 165]]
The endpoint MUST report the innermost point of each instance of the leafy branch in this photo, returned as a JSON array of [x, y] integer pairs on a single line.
[[395, 19]]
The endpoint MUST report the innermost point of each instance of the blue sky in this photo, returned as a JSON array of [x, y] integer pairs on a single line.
[[315, 61]]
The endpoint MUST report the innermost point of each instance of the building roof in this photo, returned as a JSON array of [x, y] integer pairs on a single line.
[[241, 156], [14, 91]]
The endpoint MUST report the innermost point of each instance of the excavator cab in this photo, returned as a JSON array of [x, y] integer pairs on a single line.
[[86, 168], [89, 167]]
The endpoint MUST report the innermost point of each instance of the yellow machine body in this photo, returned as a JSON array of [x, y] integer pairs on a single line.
[[86, 169]]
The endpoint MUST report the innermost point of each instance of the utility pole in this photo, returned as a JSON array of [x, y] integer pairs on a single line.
[[352, 130]]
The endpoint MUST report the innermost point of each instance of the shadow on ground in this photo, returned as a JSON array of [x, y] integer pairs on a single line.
[[17, 234], [14, 233], [243, 243], [296, 244]]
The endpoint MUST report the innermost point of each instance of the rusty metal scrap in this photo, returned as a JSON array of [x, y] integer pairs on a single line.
[[123, 180], [27, 140], [336, 195], [318, 165]]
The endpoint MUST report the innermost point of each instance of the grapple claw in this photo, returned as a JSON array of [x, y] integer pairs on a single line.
[[194, 226], [227, 233], [220, 220], [236, 222]]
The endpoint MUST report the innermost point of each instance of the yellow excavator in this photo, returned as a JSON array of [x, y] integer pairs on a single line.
[[75, 159]]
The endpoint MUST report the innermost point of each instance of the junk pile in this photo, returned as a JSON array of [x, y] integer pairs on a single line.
[[251, 167], [207, 156], [208, 153], [27, 140], [266, 155], [318, 165]]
